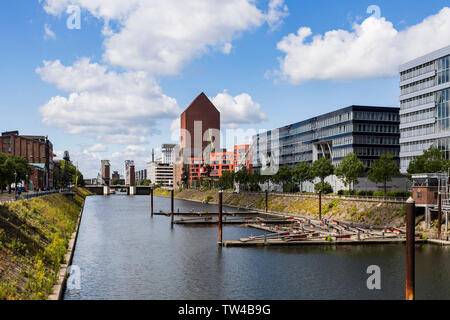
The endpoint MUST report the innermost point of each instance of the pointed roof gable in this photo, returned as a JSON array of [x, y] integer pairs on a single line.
[[202, 101]]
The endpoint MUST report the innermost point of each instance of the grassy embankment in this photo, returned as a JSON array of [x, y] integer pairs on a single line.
[[34, 237], [377, 213]]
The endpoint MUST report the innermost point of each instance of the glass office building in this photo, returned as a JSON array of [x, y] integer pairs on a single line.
[[424, 105], [367, 131]]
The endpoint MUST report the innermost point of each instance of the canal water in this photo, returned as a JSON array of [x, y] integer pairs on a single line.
[[124, 253]]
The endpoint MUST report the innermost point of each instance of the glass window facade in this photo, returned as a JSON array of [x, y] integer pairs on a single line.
[[442, 67], [442, 110], [370, 130]]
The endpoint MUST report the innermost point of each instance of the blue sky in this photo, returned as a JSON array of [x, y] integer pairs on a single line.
[[274, 96]]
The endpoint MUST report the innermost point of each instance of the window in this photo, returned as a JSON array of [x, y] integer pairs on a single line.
[[419, 195]]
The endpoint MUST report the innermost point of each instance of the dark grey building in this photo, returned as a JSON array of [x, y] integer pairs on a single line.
[[367, 131]]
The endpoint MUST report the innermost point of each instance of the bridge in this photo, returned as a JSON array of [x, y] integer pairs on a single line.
[[100, 189]]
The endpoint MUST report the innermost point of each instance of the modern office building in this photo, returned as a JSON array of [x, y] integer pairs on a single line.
[[160, 173], [424, 105], [168, 152], [141, 175], [37, 150], [367, 131]]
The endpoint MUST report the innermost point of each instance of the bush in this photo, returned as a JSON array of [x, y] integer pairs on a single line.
[[209, 198], [325, 187]]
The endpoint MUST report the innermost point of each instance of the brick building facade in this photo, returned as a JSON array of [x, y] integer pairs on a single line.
[[200, 129], [37, 150]]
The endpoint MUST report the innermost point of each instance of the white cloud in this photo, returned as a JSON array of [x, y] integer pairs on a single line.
[[277, 12], [163, 36], [48, 33], [95, 148], [373, 48], [120, 108], [237, 110]]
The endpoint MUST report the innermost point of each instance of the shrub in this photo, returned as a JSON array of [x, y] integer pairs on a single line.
[[325, 187], [208, 198]]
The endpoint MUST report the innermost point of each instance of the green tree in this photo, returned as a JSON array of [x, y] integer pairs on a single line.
[[383, 169], [283, 176], [301, 173], [243, 177], [349, 170], [9, 165], [69, 174], [431, 161], [226, 180], [321, 169]]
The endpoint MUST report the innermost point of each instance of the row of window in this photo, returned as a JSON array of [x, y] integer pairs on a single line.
[[416, 146], [376, 151], [376, 116], [343, 141], [417, 101], [418, 115], [332, 131], [417, 131], [334, 120], [417, 71], [376, 128], [376, 140], [342, 152], [418, 86]]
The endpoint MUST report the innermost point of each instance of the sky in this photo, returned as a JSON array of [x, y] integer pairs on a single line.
[[109, 79]]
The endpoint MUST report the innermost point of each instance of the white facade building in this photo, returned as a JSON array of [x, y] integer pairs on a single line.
[[424, 105], [168, 151], [160, 173]]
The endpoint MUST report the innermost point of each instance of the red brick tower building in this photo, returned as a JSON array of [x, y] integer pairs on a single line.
[[200, 126]]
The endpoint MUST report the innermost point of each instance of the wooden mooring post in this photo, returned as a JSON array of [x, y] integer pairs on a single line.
[[320, 205], [151, 201], [219, 241], [267, 200], [410, 248], [171, 207], [439, 214]]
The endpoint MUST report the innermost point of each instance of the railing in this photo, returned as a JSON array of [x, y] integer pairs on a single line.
[[312, 195], [36, 195]]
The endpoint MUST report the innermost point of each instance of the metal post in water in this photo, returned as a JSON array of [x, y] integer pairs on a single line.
[[220, 217], [320, 204], [151, 199], [410, 248], [439, 214], [171, 207], [267, 201]]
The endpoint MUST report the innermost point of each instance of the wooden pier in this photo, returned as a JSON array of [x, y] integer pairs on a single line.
[[280, 242], [203, 214], [239, 221]]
